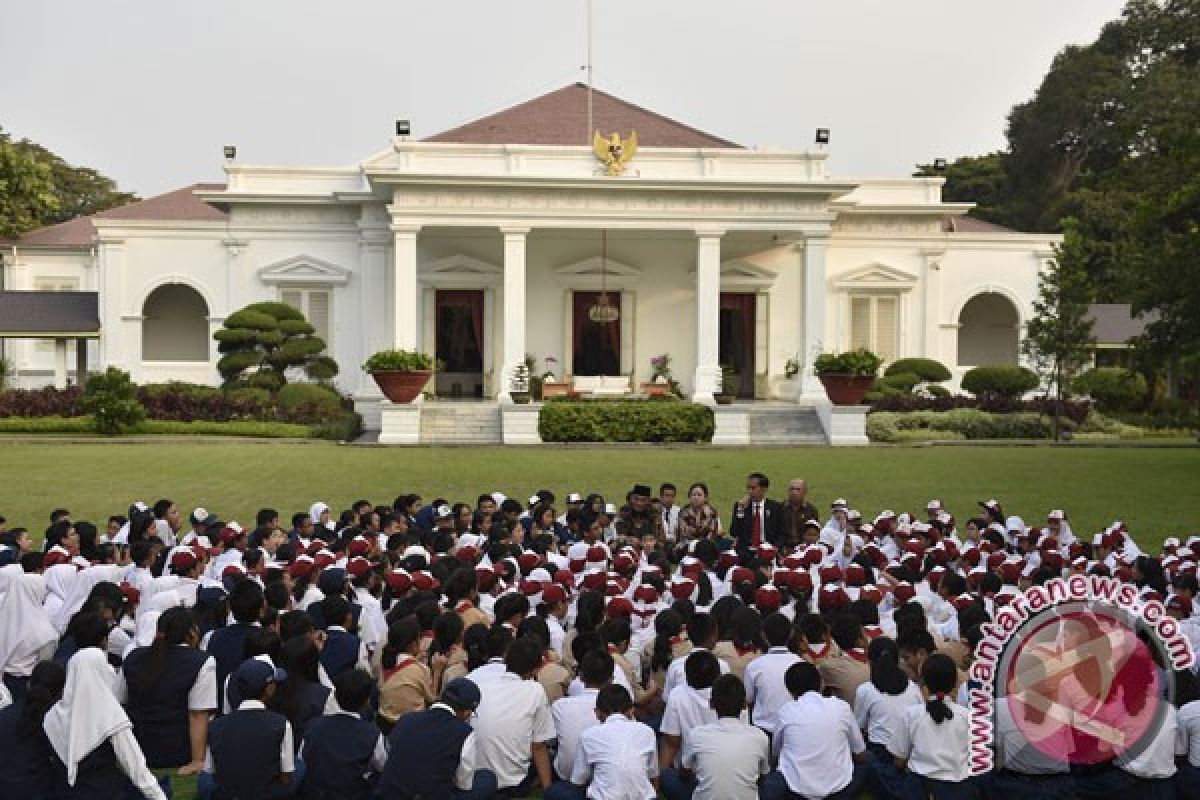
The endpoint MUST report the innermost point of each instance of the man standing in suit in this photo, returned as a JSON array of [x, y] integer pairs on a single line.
[[756, 520]]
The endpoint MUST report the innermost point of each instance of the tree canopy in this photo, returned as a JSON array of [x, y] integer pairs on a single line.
[[38, 187], [262, 341]]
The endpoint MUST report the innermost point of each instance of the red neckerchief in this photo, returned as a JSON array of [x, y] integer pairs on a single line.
[[463, 606], [403, 663], [743, 651], [677, 640], [873, 631], [819, 652], [858, 654], [612, 649]]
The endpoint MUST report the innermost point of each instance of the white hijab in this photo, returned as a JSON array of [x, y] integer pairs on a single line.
[[24, 627], [316, 510], [147, 619], [60, 579], [88, 713], [85, 580]]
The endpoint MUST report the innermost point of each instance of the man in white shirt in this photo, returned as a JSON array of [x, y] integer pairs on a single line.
[[513, 722], [726, 758], [615, 759], [576, 713], [667, 493], [765, 690], [688, 707], [817, 743]]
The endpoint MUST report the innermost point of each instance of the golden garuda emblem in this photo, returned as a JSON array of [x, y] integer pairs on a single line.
[[615, 152]]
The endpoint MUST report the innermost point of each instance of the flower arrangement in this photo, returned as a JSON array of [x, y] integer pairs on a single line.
[[791, 367], [660, 372], [551, 364]]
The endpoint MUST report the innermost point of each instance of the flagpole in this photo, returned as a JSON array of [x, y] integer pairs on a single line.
[[588, 137]]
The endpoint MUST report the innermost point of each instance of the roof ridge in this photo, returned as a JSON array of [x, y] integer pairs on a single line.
[[645, 110]]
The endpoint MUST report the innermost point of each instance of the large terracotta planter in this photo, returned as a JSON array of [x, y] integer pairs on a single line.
[[846, 390], [401, 387]]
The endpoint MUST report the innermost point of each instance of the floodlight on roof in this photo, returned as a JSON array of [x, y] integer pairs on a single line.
[[230, 152], [822, 135], [403, 127]]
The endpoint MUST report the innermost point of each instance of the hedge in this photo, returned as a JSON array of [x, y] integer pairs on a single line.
[[625, 421], [83, 425], [965, 423], [294, 396], [1006, 381], [1076, 410]]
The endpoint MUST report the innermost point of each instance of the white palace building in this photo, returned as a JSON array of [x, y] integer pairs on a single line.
[[492, 240]]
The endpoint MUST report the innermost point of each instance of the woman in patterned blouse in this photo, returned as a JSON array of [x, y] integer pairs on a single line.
[[698, 519]]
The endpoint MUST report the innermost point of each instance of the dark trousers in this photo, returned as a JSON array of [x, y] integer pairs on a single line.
[[774, 787], [673, 785], [1007, 784], [565, 790], [1118, 784], [17, 686]]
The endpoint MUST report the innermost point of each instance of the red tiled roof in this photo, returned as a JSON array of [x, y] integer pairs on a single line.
[[181, 204], [560, 118]]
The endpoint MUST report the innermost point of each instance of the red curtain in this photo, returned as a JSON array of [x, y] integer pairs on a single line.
[[470, 299], [584, 363]]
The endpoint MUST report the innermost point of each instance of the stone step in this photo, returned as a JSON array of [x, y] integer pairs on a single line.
[[460, 423]]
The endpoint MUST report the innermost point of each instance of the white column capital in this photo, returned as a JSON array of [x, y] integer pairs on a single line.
[[514, 231], [400, 229], [710, 232]]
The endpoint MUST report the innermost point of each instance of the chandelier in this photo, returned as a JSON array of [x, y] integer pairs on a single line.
[[603, 310]]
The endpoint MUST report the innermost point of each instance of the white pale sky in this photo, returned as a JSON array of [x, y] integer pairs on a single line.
[[148, 91]]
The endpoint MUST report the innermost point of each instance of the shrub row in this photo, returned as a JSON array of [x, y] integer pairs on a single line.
[[626, 421], [84, 425], [1075, 410], [966, 423], [298, 403]]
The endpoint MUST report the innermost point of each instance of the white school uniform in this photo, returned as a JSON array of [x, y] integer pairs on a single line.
[[765, 691], [1157, 761], [879, 714], [572, 715], [814, 742], [513, 714], [728, 757], [617, 760], [675, 671], [933, 750]]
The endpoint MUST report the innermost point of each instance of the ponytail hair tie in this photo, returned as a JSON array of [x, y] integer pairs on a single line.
[[940, 696], [159, 636]]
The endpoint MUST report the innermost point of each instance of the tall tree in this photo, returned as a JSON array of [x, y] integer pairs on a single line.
[[980, 180], [26, 191], [1058, 337], [80, 190]]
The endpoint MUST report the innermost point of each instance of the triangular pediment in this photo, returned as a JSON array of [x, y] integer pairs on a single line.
[[595, 266], [876, 276], [461, 264], [304, 269]]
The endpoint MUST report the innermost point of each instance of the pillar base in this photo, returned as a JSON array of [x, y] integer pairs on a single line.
[[707, 382], [399, 424]]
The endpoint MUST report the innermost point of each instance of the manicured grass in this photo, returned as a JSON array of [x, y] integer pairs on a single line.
[[76, 426], [1155, 490]]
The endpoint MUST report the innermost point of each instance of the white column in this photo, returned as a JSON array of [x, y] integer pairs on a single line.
[[404, 286], [932, 300], [815, 297], [111, 283], [514, 307], [372, 300], [708, 316], [60, 363]]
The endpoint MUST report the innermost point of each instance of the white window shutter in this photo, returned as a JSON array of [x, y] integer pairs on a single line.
[[293, 297], [885, 328], [318, 312], [860, 322]]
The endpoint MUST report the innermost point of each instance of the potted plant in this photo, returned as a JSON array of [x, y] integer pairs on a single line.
[[549, 376], [518, 384], [847, 376], [401, 374], [788, 389], [662, 382], [729, 383]]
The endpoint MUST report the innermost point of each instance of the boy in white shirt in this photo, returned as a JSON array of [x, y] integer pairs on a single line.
[[765, 690], [616, 759], [818, 744], [727, 758]]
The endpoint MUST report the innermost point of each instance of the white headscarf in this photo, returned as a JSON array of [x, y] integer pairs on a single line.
[[60, 579], [24, 627], [82, 587], [147, 619], [316, 510], [88, 713]]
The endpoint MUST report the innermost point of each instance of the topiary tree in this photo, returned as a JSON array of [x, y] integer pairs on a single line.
[[111, 399], [925, 369], [1113, 388], [1006, 381], [262, 341]]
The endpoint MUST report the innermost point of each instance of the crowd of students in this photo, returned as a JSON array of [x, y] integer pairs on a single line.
[[495, 649]]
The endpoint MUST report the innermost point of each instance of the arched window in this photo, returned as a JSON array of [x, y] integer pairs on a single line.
[[175, 325], [988, 331]]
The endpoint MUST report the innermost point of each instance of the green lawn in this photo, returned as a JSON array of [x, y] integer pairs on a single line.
[[1155, 490]]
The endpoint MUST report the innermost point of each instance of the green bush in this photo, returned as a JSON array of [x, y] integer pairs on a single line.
[[346, 427], [899, 381], [251, 394], [399, 361], [85, 425], [1113, 388], [853, 362], [1006, 381], [197, 391], [293, 396], [620, 421], [926, 369], [111, 400], [960, 423], [937, 391]]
